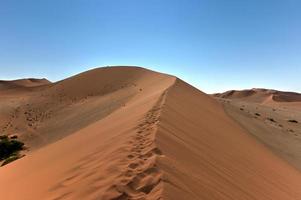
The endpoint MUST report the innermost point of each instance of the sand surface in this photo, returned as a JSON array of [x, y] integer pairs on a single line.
[[277, 124], [122, 133]]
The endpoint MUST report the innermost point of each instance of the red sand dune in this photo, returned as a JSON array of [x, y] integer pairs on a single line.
[[122, 133], [23, 83], [261, 95]]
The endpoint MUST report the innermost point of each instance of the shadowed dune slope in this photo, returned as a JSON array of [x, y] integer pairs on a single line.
[[167, 140]]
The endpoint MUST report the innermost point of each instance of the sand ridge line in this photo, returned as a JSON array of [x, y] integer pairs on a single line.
[[142, 177]]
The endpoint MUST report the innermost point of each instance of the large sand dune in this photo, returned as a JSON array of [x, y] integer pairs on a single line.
[[122, 133]]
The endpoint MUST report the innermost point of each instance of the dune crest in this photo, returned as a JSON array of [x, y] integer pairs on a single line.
[[161, 139]]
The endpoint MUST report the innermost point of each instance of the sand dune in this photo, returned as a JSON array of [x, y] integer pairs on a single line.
[[261, 95], [121, 133], [272, 116], [22, 83]]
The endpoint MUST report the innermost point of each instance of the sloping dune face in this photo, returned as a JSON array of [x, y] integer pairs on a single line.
[[166, 140], [214, 158], [48, 113]]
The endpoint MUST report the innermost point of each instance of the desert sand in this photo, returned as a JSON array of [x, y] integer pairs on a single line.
[[118, 133], [273, 117]]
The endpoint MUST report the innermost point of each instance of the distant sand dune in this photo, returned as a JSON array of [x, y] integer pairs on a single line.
[[261, 95], [127, 133], [23, 83]]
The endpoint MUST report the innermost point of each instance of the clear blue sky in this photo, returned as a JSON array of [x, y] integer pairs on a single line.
[[215, 45]]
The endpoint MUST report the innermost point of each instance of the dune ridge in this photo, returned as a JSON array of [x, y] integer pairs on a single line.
[[51, 112], [142, 178], [168, 140]]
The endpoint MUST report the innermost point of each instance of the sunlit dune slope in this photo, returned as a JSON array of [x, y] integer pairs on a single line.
[[214, 158]]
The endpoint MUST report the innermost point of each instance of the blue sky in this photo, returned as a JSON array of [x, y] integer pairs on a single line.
[[215, 45]]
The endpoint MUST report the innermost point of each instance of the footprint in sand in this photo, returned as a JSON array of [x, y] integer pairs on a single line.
[[142, 175], [133, 165]]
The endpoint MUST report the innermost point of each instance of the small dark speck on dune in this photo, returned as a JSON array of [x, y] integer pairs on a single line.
[[292, 121], [271, 119]]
